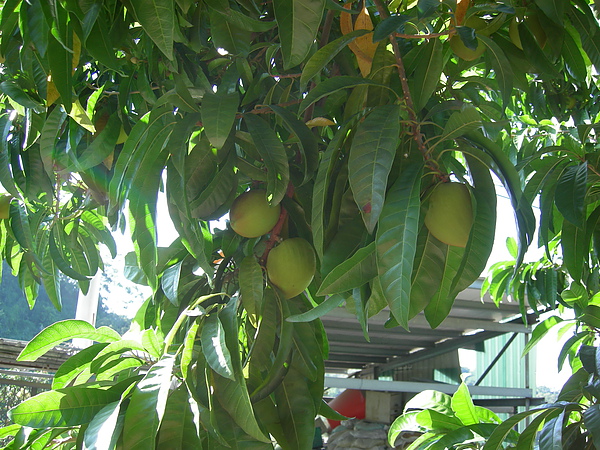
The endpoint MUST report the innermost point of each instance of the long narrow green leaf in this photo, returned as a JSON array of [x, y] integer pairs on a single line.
[[463, 407], [359, 269], [218, 115], [273, 154], [502, 68], [157, 17], [103, 430], [540, 331], [396, 241], [298, 22], [325, 54], [147, 406], [461, 123], [296, 410], [571, 192], [179, 429], [320, 190], [483, 231], [307, 142], [497, 438], [62, 331], [441, 303], [371, 157], [63, 407], [214, 348], [75, 365], [251, 285], [427, 73], [331, 85]]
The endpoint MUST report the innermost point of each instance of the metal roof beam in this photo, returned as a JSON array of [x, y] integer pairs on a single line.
[[414, 386]]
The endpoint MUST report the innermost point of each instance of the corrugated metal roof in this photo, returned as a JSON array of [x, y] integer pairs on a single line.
[[471, 320]]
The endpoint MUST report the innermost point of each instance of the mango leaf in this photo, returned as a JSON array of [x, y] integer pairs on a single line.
[[573, 55], [320, 189], [6, 176], [75, 365], [554, 9], [62, 331], [101, 147], [214, 348], [296, 409], [51, 281], [370, 161], [551, 435], [427, 73], [329, 304], [461, 122], [591, 419], [540, 331], [325, 54], [440, 304], [147, 406], [298, 22], [502, 68], [392, 24], [60, 62], [331, 85], [157, 17], [229, 35], [169, 282], [237, 18], [575, 248], [66, 407], [251, 285], [233, 395], [405, 422], [273, 154], [218, 115], [570, 193], [483, 231], [396, 241], [497, 438], [427, 273], [437, 421], [104, 429], [352, 273], [507, 173], [307, 142], [528, 436], [463, 406], [179, 430]]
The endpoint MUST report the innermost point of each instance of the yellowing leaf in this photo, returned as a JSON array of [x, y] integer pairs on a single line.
[[76, 51], [461, 10], [346, 20], [363, 46], [365, 43], [51, 93], [79, 115], [319, 122]]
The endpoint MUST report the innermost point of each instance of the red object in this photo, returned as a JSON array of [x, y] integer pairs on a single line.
[[350, 403]]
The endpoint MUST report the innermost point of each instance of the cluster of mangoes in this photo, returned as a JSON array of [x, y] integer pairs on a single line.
[[290, 265]]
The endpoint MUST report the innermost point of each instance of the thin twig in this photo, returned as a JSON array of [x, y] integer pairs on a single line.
[[416, 131]]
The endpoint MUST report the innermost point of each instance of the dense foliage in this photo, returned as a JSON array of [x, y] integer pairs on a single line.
[[348, 115]]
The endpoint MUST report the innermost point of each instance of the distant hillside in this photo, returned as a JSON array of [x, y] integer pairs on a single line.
[[17, 321]]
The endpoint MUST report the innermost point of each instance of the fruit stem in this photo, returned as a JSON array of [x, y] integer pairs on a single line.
[[274, 237]]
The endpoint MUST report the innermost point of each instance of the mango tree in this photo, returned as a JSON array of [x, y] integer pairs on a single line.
[[351, 118]]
